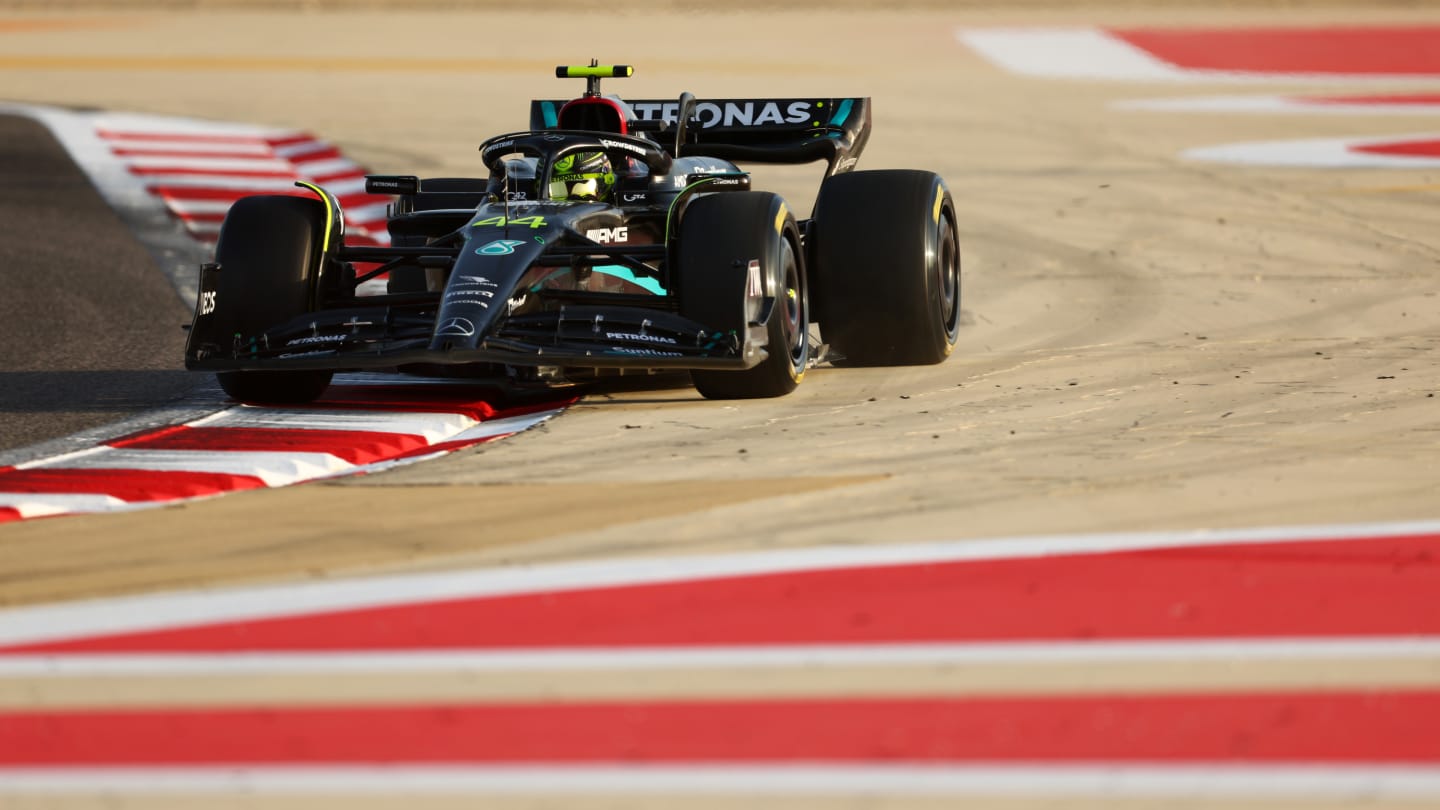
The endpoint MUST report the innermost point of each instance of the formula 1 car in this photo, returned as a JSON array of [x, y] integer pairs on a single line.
[[681, 266]]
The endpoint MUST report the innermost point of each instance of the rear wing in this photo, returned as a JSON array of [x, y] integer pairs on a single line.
[[768, 130]]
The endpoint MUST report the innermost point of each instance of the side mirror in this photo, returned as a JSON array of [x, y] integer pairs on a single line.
[[715, 182], [682, 121], [391, 184]]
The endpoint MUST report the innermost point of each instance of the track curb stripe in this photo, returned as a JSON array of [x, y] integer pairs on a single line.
[[157, 149], [1369, 105], [1192, 56], [126, 486], [1253, 591], [355, 447], [1327, 727], [1415, 151], [75, 624], [146, 166], [355, 429]]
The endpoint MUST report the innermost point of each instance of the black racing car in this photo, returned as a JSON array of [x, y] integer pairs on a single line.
[[675, 264]]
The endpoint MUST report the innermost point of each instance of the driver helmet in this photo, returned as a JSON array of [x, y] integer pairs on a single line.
[[582, 176]]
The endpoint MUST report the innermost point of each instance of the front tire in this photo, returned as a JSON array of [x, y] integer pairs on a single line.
[[887, 262], [269, 257], [720, 235]]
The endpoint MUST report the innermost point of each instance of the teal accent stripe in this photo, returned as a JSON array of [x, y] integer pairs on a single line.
[[552, 117], [843, 112], [622, 272]]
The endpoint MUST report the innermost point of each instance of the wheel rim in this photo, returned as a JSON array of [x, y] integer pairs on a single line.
[[948, 268], [796, 321]]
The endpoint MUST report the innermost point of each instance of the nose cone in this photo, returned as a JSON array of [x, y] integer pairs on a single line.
[[484, 276]]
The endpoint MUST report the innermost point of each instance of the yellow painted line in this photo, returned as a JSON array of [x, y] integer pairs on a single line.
[[67, 24], [371, 64], [221, 63], [1390, 189]]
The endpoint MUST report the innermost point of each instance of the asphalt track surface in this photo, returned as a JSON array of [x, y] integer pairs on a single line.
[[90, 328]]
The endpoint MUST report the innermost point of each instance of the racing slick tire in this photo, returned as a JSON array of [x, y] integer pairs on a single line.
[[720, 234], [886, 266], [269, 257]]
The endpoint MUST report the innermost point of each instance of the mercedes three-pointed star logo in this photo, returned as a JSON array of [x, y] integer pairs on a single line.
[[456, 326]]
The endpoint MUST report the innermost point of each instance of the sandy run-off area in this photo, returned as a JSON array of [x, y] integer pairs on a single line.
[[1149, 342]]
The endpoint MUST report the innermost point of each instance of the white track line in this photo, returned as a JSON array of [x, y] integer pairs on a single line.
[[499, 427], [190, 208], [203, 229], [298, 150], [157, 147], [250, 185], [1192, 780], [43, 504], [374, 214], [562, 659], [434, 427], [1067, 53], [138, 125], [200, 165], [276, 468], [1327, 153], [142, 612]]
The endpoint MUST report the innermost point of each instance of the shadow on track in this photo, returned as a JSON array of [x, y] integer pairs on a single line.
[[117, 392], [89, 325]]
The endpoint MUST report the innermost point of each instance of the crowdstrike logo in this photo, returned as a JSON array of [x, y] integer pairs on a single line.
[[628, 147]]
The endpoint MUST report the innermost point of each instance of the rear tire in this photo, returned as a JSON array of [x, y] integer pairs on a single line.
[[720, 235], [887, 267], [269, 257]]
